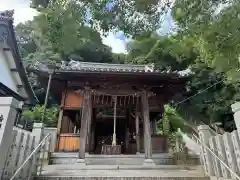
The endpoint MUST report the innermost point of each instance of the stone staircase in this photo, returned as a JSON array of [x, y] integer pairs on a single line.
[[122, 167], [159, 159], [106, 172]]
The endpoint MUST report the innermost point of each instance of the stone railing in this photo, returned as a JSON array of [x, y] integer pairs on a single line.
[[220, 154], [33, 164], [23, 143], [16, 144]]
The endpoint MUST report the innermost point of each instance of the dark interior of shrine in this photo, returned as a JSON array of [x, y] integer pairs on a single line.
[[103, 124], [104, 132]]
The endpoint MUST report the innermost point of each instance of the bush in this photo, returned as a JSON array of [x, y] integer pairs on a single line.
[[35, 115]]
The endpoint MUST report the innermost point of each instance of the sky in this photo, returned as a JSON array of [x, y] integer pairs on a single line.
[[116, 41]]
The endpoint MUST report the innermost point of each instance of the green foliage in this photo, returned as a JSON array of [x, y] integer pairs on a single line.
[[214, 27], [207, 43], [35, 115], [132, 17], [57, 34], [169, 125], [179, 52], [165, 52], [172, 120], [214, 103]]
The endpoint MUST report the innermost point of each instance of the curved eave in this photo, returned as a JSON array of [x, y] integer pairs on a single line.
[[5, 91], [11, 42], [72, 74]]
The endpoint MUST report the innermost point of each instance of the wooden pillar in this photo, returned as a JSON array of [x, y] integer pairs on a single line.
[[126, 139], [91, 131], [114, 143], [137, 131], [60, 116], [86, 117], [59, 125], [154, 126], [89, 128], [147, 130]]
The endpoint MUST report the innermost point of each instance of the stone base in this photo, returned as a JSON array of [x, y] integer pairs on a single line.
[[137, 153], [148, 162], [81, 162]]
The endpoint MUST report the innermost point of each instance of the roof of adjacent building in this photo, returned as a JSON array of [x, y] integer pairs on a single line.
[[7, 35]]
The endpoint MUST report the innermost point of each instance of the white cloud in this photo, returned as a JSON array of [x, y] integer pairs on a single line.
[[23, 12], [117, 45]]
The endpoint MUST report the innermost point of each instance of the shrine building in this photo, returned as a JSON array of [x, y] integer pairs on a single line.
[[110, 108]]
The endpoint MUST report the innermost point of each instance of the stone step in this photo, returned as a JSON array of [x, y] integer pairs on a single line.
[[119, 178], [79, 166], [74, 172], [159, 159]]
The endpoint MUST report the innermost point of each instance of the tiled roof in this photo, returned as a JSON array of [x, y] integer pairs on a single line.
[[89, 66], [76, 66], [105, 67], [8, 15]]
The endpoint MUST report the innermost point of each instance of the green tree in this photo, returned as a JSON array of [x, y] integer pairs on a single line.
[[178, 52], [166, 52], [132, 17], [214, 28]]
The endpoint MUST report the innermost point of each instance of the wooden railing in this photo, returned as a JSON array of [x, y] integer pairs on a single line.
[[68, 142]]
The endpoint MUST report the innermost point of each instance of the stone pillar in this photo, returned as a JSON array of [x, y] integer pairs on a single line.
[[204, 134], [53, 139], [231, 157], [86, 117], [216, 163], [221, 153], [37, 132], [236, 110], [147, 131], [137, 132], [8, 112], [236, 134], [236, 146]]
